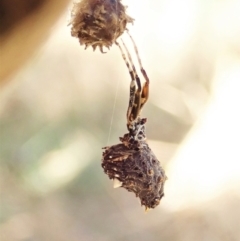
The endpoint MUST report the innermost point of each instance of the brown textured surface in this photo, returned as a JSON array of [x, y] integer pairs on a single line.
[[134, 164], [99, 23]]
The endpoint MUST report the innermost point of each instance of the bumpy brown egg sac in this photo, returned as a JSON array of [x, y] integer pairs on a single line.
[[98, 23], [137, 169]]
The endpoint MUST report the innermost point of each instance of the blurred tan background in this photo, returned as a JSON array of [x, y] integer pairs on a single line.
[[60, 104]]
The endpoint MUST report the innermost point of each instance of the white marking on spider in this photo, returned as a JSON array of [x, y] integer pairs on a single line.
[[116, 183]]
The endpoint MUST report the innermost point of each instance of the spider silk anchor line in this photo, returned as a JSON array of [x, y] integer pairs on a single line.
[[131, 164], [113, 112]]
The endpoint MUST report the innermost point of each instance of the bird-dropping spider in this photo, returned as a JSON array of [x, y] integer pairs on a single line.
[[138, 95], [132, 164]]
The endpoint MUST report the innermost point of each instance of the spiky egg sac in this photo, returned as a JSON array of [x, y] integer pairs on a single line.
[[98, 23]]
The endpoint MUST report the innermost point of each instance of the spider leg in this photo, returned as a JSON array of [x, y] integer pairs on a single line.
[[132, 84], [137, 99], [145, 90]]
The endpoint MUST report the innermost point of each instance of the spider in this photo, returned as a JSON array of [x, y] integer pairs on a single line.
[[138, 94], [132, 164]]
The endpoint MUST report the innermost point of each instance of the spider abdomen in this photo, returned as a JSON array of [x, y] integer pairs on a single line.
[[138, 170]]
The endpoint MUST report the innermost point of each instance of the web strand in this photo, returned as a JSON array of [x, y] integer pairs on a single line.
[[113, 112]]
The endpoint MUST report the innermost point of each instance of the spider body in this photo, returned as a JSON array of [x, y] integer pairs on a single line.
[[135, 166], [98, 23], [132, 163]]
